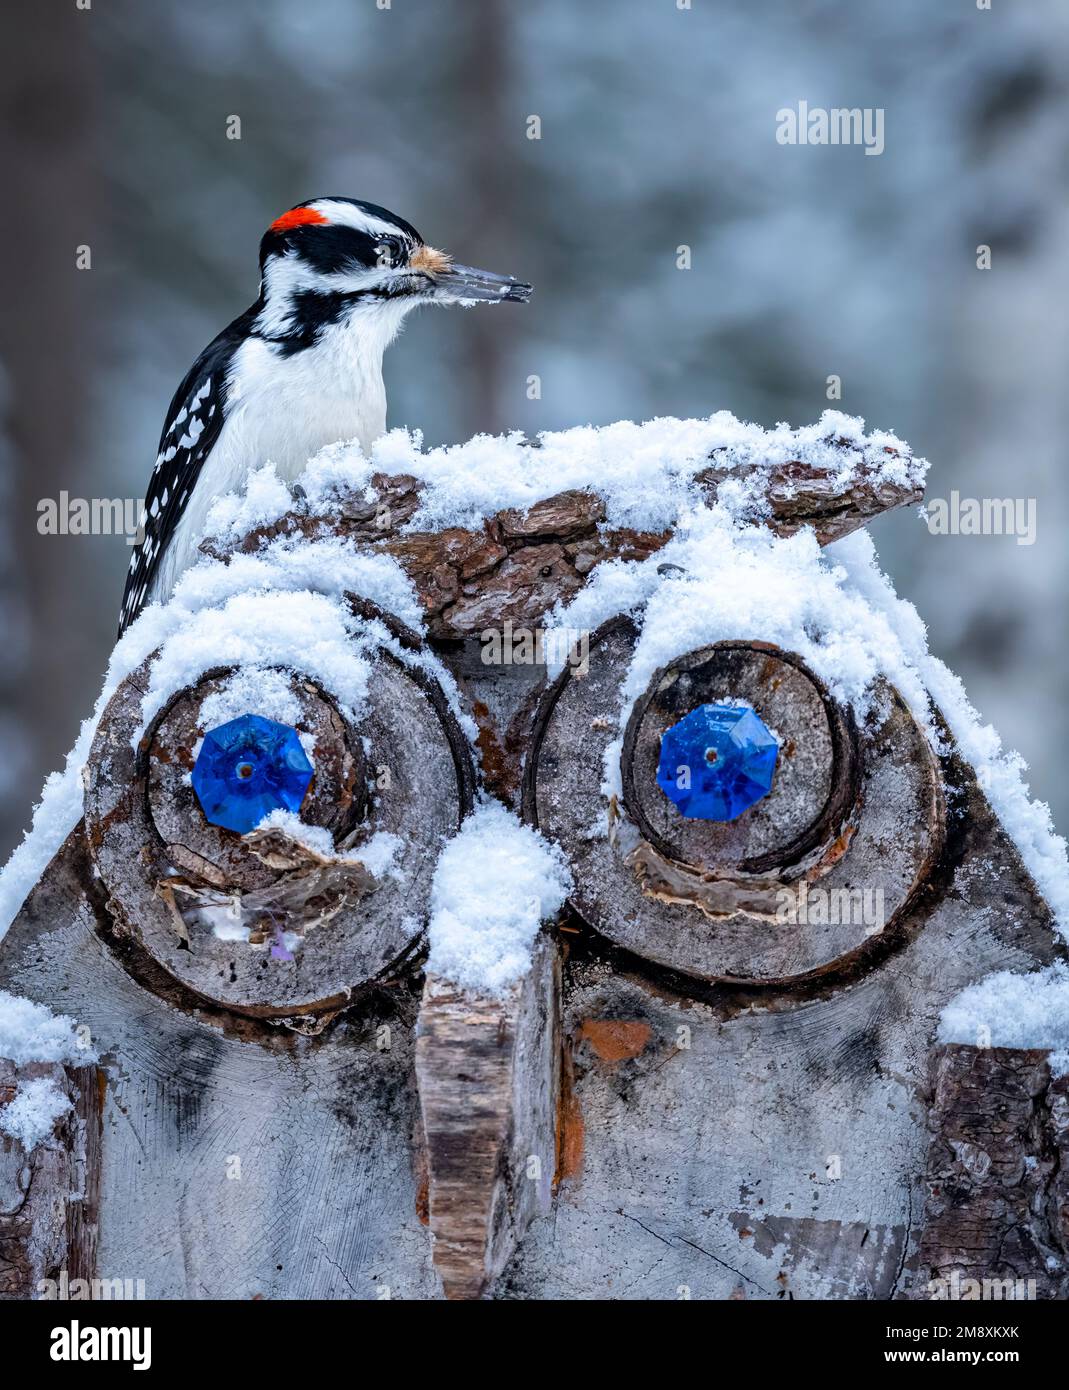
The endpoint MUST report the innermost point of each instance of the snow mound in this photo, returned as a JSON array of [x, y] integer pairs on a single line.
[[268, 693], [37, 1106], [378, 854], [33, 1033], [496, 881], [1008, 1010], [644, 472]]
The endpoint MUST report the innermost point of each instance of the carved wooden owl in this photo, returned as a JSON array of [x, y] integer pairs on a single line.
[[716, 1073]]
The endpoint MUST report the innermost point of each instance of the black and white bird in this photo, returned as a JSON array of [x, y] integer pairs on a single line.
[[299, 369]]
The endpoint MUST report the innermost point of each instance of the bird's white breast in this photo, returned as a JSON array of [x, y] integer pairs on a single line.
[[283, 410]]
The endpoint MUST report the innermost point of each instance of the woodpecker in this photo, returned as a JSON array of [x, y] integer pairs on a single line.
[[299, 369]]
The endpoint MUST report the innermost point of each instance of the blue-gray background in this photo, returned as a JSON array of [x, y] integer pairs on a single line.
[[658, 129]]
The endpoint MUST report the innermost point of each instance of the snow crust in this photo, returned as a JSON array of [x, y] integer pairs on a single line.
[[31, 1032], [37, 1106], [1010, 1010], [496, 881], [643, 472]]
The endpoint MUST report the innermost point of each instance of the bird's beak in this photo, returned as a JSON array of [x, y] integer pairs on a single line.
[[463, 284], [448, 283]]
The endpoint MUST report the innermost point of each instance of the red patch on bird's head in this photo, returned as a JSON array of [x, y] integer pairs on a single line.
[[296, 217]]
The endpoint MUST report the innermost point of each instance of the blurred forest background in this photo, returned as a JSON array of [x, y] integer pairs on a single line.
[[657, 129]]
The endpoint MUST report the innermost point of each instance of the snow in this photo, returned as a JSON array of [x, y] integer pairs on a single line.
[[841, 614], [298, 631], [264, 499], [496, 881], [37, 1106], [222, 613], [721, 576], [314, 837], [31, 1032], [378, 854], [264, 692], [330, 565], [1000, 771], [1008, 1010], [740, 581], [643, 472]]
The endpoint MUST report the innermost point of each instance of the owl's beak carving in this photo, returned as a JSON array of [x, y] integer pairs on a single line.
[[488, 1073]]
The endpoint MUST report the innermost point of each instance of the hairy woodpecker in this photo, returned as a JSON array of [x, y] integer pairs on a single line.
[[299, 369]]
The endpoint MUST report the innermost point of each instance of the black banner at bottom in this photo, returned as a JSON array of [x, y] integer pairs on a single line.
[[79, 1338]]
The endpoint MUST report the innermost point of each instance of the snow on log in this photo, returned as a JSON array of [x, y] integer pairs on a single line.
[[521, 562]]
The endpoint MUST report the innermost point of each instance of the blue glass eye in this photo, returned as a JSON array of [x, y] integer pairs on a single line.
[[248, 768], [717, 761]]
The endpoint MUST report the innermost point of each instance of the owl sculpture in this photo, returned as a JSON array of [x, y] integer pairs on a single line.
[[538, 870]]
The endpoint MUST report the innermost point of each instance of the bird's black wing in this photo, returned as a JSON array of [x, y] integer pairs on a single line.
[[190, 431]]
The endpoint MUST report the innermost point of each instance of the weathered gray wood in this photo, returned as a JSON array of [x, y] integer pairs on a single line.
[[703, 1148], [323, 1199], [503, 700], [488, 1076], [701, 1168]]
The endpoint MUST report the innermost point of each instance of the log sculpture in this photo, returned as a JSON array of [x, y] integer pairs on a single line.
[[678, 1099]]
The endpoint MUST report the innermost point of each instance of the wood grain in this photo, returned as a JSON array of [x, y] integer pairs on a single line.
[[863, 829]]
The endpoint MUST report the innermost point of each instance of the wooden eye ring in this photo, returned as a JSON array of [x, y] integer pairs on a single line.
[[878, 828]]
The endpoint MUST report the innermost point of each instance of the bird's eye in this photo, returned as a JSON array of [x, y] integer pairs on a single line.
[[387, 254]]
